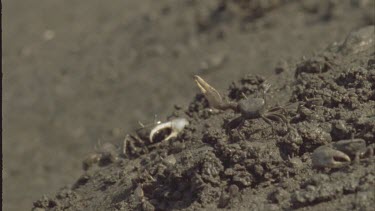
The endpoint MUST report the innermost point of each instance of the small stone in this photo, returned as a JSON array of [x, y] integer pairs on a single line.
[[296, 162], [280, 195], [233, 190], [310, 188], [170, 160], [258, 169]]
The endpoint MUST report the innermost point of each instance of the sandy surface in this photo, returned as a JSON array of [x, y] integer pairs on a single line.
[[79, 73]]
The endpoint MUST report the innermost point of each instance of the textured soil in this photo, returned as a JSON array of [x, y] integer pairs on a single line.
[[74, 71]]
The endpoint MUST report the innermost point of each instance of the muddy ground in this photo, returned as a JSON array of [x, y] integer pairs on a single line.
[[77, 73]]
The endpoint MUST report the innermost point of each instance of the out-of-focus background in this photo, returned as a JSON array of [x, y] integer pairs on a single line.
[[79, 72]]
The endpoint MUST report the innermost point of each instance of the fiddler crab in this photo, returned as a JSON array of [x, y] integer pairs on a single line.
[[104, 154], [341, 153], [148, 137], [249, 108]]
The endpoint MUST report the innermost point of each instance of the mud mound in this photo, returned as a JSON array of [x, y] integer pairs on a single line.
[[255, 165]]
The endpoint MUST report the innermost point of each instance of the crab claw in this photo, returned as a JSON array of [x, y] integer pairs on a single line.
[[326, 157], [175, 125], [212, 95]]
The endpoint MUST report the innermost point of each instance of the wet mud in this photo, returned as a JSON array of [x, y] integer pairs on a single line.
[[257, 165], [85, 82]]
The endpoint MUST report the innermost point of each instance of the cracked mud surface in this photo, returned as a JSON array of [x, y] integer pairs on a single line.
[[83, 84]]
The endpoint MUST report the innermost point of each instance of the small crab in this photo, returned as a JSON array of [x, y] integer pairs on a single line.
[[175, 126], [341, 153], [249, 108], [136, 144], [107, 153], [148, 137]]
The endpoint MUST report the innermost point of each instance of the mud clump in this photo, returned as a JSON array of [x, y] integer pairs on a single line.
[[254, 166]]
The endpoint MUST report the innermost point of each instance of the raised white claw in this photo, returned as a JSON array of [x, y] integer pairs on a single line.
[[175, 125], [212, 95]]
